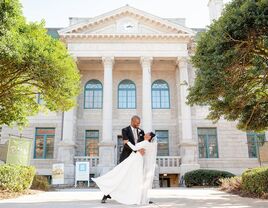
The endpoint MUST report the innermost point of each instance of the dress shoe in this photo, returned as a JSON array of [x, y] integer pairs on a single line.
[[104, 198]]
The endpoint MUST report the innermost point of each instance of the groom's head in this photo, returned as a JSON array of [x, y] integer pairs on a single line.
[[135, 121]]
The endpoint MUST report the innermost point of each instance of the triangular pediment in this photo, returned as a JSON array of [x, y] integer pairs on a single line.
[[127, 20]]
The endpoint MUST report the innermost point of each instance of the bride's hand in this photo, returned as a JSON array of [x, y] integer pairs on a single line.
[[125, 141], [142, 151]]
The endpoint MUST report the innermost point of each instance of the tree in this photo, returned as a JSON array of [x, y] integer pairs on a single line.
[[232, 66], [32, 62]]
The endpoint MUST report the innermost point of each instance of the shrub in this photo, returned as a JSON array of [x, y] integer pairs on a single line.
[[255, 181], [203, 177], [16, 178], [40, 183], [232, 185]]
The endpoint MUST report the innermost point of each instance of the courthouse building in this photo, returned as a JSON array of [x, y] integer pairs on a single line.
[[135, 63]]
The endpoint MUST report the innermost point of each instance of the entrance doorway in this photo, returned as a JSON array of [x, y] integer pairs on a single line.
[[168, 180]]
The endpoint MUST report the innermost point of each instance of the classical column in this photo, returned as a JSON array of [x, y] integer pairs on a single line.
[[188, 147], [146, 63], [107, 99], [106, 146], [66, 147], [185, 109]]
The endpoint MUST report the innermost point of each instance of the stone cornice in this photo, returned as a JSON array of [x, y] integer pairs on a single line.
[[72, 36]]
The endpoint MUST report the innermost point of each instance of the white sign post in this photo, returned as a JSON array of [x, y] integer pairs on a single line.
[[82, 172], [58, 173]]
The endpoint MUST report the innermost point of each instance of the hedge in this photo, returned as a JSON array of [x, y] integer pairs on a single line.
[[255, 181], [16, 178], [204, 177], [40, 183]]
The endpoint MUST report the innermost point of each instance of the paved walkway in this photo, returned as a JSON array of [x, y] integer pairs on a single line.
[[164, 198]]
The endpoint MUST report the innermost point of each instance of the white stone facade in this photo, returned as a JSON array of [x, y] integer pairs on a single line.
[[131, 44]]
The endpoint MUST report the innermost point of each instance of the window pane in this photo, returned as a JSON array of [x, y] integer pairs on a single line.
[[49, 146], [207, 142], [212, 147], [126, 94], [160, 94], [44, 143], [162, 139], [202, 146], [254, 140], [93, 94], [92, 140], [39, 146]]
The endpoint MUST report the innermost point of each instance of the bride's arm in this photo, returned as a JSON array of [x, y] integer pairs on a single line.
[[133, 147], [136, 147]]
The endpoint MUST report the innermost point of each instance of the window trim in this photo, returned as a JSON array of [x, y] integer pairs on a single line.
[[91, 138], [168, 142], [85, 89], [206, 143], [135, 90], [160, 89], [256, 144], [44, 156]]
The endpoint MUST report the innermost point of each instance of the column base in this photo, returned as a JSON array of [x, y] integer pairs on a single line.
[[66, 153], [189, 153], [106, 157]]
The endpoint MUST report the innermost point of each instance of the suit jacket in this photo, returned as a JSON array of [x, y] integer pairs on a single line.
[[127, 134]]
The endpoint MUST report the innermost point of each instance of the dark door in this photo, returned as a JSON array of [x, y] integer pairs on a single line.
[[119, 146]]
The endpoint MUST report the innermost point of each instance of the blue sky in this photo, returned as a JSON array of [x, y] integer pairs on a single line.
[[56, 12]]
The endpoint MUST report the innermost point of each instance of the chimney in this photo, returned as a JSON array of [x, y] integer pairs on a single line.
[[215, 9]]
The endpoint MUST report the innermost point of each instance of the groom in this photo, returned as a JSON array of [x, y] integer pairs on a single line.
[[133, 134]]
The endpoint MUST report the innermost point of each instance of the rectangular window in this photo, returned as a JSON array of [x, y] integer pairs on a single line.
[[163, 144], [207, 143], [255, 140], [92, 141], [44, 143]]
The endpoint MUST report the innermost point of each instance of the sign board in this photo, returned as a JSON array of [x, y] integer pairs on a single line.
[[19, 151], [264, 152], [81, 172], [58, 173]]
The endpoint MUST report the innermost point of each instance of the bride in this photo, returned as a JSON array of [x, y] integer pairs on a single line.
[[129, 182]]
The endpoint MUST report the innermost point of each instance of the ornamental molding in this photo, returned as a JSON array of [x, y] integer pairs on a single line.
[[127, 11]]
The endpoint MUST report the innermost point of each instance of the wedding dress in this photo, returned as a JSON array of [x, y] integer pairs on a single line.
[[129, 182]]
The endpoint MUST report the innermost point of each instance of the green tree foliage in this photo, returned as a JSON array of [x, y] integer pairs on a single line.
[[32, 62], [232, 66]]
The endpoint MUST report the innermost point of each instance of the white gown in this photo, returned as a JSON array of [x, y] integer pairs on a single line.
[[129, 182]]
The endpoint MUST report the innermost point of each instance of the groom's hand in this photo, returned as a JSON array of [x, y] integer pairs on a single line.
[[142, 151]]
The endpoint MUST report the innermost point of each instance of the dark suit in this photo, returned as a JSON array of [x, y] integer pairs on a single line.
[[127, 134]]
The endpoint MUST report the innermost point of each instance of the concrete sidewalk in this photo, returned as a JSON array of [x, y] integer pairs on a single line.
[[164, 198]]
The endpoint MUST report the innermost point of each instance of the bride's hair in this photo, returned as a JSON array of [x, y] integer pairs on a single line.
[[152, 134]]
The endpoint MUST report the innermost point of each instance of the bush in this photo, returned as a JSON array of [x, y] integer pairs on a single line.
[[232, 185], [16, 178], [255, 181], [203, 177], [40, 183]]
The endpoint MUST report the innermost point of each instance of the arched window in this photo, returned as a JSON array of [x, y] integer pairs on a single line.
[[93, 95], [160, 94], [126, 94]]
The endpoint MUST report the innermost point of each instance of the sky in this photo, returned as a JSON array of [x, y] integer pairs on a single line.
[[56, 13]]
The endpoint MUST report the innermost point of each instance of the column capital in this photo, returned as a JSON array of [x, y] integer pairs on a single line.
[[108, 61], [182, 60], [146, 61]]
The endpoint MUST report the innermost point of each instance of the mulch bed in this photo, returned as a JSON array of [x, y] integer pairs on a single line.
[[8, 195]]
